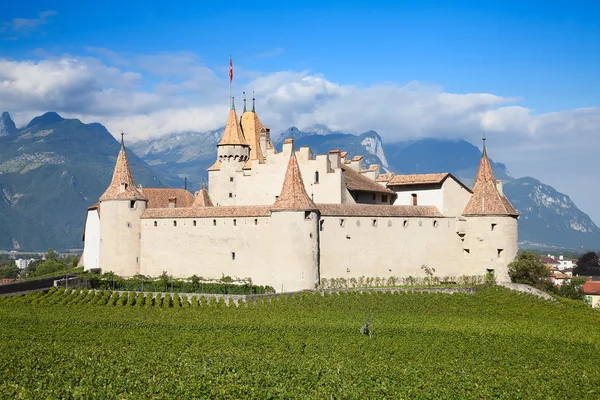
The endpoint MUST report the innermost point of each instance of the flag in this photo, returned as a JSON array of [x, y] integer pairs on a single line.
[[230, 69]]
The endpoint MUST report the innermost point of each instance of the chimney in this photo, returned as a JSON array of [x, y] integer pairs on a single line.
[[499, 187], [288, 145], [172, 202], [357, 163], [334, 158], [560, 258], [264, 131]]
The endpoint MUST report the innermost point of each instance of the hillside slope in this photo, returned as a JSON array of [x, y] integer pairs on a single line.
[[50, 172]]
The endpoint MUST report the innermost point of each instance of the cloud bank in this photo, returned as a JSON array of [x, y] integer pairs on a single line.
[[152, 95]]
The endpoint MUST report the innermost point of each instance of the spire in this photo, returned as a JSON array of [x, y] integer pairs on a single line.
[[253, 103], [251, 127], [244, 101], [484, 152], [122, 186], [233, 132], [293, 196], [486, 199]]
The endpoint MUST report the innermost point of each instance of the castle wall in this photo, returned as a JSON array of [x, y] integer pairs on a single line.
[[262, 183], [91, 246], [455, 199], [484, 242], [400, 246], [120, 236], [275, 251], [426, 196]]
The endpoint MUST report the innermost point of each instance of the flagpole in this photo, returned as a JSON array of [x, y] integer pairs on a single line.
[[230, 79]]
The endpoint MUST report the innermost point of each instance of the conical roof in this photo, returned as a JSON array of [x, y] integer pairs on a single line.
[[293, 195], [202, 199], [233, 132], [486, 199], [122, 186], [251, 127]]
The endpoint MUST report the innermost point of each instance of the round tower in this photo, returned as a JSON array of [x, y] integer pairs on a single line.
[[121, 207], [233, 153]]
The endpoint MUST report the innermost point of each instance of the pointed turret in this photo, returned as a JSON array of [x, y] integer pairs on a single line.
[[251, 127], [122, 186], [293, 196], [202, 199], [486, 198], [233, 132]]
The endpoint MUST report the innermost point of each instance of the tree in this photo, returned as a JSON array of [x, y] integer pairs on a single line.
[[49, 266], [587, 265], [527, 268], [9, 271]]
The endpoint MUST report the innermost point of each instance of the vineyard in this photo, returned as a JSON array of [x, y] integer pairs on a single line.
[[492, 343]]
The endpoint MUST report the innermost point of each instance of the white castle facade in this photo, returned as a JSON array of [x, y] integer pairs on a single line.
[[289, 219]]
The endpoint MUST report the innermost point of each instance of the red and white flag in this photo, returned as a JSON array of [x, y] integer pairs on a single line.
[[230, 69]]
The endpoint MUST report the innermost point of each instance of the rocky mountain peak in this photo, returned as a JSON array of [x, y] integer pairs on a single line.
[[46, 119], [7, 126]]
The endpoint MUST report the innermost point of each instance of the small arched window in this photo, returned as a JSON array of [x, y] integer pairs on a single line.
[[414, 199], [155, 223], [194, 222], [174, 223], [316, 176]]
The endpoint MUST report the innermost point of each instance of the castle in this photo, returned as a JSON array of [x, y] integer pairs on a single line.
[[290, 218]]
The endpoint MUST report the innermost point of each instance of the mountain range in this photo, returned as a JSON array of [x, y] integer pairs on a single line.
[[52, 169]]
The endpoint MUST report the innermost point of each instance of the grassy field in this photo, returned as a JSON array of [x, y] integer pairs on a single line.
[[491, 344]]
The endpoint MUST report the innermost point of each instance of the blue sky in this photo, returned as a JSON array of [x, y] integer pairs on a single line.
[[526, 74], [547, 52]]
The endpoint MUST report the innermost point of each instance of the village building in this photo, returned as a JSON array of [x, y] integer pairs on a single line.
[[290, 218]]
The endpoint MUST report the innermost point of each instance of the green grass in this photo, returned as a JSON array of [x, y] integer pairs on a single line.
[[491, 344]]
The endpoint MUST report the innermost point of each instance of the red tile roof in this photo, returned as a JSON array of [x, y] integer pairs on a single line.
[[202, 199], [359, 182], [591, 288], [293, 195], [371, 210], [122, 176], [159, 197], [417, 179], [486, 199], [207, 212], [233, 132]]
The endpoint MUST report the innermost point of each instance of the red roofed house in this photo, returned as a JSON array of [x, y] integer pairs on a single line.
[[591, 290]]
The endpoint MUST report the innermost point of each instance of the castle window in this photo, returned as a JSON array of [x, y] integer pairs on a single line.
[[342, 222], [374, 196], [374, 222], [233, 255], [194, 222], [414, 199], [306, 214], [500, 252], [175, 223], [155, 223], [132, 204], [466, 251], [389, 222], [384, 198], [494, 226], [230, 194], [316, 176], [405, 223], [321, 225], [435, 223], [214, 222], [231, 179], [358, 223], [129, 224], [234, 222], [420, 223], [255, 221]]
